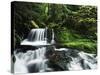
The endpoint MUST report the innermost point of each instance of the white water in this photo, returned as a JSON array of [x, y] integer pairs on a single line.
[[82, 61], [52, 41], [35, 60], [25, 60], [36, 37]]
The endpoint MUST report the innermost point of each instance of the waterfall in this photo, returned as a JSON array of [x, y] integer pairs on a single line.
[[31, 59], [35, 60], [36, 37], [52, 41], [80, 60]]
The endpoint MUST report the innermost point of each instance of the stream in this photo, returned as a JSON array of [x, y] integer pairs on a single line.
[[45, 57]]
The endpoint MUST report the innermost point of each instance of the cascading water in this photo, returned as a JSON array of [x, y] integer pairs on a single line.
[[36, 37], [32, 60], [52, 41], [79, 59], [35, 60]]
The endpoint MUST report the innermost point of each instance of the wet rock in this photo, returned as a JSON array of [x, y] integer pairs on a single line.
[[32, 68], [58, 61]]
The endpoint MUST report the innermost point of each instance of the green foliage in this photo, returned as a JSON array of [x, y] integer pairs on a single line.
[[83, 45], [76, 41], [66, 36], [75, 26]]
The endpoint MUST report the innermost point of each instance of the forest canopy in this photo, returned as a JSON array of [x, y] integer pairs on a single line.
[[75, 25]]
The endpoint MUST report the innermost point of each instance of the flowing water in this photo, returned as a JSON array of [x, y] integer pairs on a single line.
[[32, 60], [36, 37], [36, 61], [79, 59]]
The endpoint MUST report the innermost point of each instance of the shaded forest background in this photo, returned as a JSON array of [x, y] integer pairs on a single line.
[[75, 26]]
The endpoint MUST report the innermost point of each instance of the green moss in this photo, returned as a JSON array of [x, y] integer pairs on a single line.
[[76, 41], [87, 46]]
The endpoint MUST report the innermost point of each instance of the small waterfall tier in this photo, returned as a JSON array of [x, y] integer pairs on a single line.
[[36, 37]]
